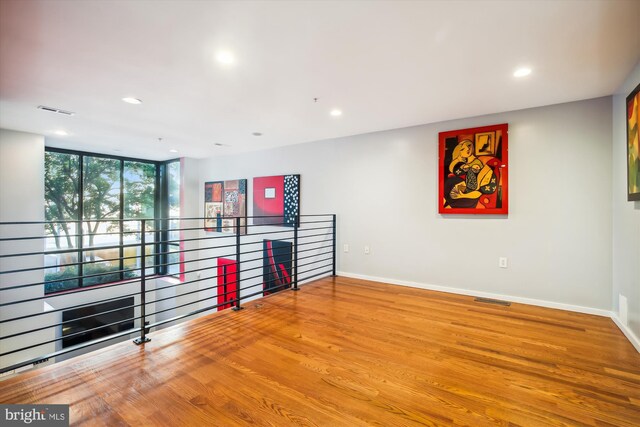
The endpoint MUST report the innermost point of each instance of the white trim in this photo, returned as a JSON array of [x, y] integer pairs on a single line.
[[626, 331], [522, 300]]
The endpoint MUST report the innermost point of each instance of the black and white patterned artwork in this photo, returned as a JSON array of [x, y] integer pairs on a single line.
[[291, 199]]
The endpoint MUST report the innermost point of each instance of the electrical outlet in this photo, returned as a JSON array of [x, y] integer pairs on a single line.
[[502, 262], [345, 247], [367, 250]]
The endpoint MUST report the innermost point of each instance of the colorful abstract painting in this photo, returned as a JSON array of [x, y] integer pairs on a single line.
[[473, 171], [277, 258], [633, 145], [224, 201], [276, 200], [227, 283]]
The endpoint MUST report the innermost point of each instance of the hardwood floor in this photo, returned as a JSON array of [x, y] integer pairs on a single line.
[[350, 352]]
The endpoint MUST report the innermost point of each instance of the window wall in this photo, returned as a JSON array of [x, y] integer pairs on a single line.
[[173, 202], [94, 205]]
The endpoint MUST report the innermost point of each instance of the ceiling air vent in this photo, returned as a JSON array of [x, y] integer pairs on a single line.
[[55, 110]]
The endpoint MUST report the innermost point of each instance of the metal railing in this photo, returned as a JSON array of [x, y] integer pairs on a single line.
[[63, 294]]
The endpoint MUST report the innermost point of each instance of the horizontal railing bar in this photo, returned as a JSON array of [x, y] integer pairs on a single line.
[[271, 290], [134, 256], [68, 350], [203, 228], [259, 266], [315, 255], [159, 265], [65, 235], [201, 310], [67, 336], [312, 269], [215, 286], [314, 235], [85, 276], [314, 242], [150, 231], [182, 316], [76, 291], [315, 262], [23, 270], [55, 310], [150, 219], [134, 306], [151, 290], [240, 298], [67, 321], [64, 251], [315, 275], [131, 331]]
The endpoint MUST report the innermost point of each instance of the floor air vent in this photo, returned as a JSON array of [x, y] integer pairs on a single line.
[[493, 301]]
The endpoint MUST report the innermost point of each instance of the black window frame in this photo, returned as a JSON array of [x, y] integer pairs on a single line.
[[161, 210]]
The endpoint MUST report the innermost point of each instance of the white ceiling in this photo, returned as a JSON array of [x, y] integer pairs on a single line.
[[385, 64]]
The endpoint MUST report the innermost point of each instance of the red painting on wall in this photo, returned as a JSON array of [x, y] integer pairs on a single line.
[[473, 171], [227, 283], [633, 145], [276, 200]]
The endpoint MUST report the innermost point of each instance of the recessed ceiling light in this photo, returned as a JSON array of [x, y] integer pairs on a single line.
[[257, 134], [522, 72], [61, 132], [225, 57], [173, 150], [130, 100], [336, 113]]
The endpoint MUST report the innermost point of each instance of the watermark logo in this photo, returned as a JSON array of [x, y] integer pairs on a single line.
[[34, 415]]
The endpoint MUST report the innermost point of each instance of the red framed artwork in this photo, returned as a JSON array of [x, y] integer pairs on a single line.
[[633, 145], [473, 171]]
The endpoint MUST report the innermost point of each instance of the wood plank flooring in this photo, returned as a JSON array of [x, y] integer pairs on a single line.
[[346, 352]]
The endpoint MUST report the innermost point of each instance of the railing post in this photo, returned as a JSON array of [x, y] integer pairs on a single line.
[[334, 245], [237, 306], [143, 293], [295, 253]]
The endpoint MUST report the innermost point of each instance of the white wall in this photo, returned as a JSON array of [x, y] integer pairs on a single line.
[[626, 215], [22, 199], [383, 186]]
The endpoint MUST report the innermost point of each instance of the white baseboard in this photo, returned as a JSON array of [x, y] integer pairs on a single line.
[[531, 301], [522, 300], [626, 331]]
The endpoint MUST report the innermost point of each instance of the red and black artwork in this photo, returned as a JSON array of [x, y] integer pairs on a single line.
[[473, 171], [277, 258], [227, 283], [276, 200]]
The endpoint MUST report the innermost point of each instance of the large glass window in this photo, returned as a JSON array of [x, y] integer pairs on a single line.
[[139, 203], [101, 214], [62, 187], [173, 198], [94, 205]]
